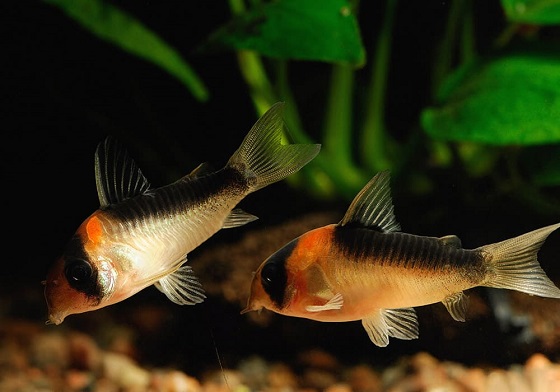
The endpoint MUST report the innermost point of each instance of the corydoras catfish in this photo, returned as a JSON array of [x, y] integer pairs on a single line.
[[364, 268], [141, 235]]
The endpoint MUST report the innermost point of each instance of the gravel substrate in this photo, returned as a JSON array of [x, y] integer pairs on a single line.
[[36, 358]]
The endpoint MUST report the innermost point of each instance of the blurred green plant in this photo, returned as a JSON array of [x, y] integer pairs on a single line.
[[500, 105]]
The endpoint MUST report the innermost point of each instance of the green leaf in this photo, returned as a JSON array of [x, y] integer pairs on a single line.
[[539, 12], [507, 100], [113, 25], [324, 30]]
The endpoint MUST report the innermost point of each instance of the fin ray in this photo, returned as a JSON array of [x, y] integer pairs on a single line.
[[238, 217], [373, 206], [456, 305], [334, 303], [116, 175], [515, 266], [398, 323], [182, 287], [262, 155]]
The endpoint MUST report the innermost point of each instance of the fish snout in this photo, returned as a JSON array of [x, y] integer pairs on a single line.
[[250, 308], [62, 300], [251, 305], [52, 287], [56, 318]]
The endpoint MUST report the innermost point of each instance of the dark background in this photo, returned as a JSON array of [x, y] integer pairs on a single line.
[[64, 90]]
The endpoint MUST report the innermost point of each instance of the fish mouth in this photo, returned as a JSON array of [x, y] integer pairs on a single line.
[[250, 307], [55, 319], [246, 310]]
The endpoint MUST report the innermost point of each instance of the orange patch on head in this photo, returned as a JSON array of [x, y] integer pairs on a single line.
[[317, 237], [94, 229], [311, 246]]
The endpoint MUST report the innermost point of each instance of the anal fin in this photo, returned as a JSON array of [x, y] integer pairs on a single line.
[[398, 323], [238, 217], [456, 305]]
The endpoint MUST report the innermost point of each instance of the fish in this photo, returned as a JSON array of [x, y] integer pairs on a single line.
[[141, 235], [364, 268]]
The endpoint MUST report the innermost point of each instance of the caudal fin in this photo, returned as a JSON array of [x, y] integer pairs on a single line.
[[514, 264], [262, 154]]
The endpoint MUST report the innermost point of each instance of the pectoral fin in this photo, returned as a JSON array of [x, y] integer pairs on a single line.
[[398, 323], [334, 303], [456, 305], [182, 287]]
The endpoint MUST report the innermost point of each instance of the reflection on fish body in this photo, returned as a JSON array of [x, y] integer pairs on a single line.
[[364, 268], [141, 235]]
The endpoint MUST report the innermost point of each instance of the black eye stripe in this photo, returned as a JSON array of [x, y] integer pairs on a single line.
[[78, 271], [274, 278]]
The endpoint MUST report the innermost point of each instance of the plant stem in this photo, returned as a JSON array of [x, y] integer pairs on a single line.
[[443, 62], [337, 133], [252, 70], [373, 145]]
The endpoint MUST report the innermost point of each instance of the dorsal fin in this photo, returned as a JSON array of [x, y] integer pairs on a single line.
[[116, 175], [372, 207]]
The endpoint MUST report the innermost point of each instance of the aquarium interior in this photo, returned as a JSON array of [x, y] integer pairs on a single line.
[[458, 100]]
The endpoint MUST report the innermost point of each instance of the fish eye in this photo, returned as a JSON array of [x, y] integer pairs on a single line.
[[274, 280], [273, 276], [78, 272], [268, 274]]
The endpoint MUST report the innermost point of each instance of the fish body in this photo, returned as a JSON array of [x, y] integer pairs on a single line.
[[141, 235], [364, 268]]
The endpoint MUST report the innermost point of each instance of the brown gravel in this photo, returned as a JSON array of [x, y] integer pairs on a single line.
[[36, 359]]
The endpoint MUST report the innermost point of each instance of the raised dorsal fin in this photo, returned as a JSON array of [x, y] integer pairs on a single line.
[[116, 175], [373, 207]]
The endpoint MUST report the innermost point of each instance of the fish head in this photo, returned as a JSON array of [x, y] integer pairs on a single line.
[[81, 280], [76, 286], [267, 289], [63, 299], [271, 286], [292, 279]]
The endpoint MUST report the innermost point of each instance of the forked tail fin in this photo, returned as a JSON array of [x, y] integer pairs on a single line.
[[262, 155], [514, 264]]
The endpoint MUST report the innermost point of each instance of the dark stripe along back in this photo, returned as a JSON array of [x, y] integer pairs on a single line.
[[401, 249]]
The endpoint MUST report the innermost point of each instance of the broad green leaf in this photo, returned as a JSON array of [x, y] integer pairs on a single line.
[[507, 100], [113, 25], [538, 12], [325, 30]]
